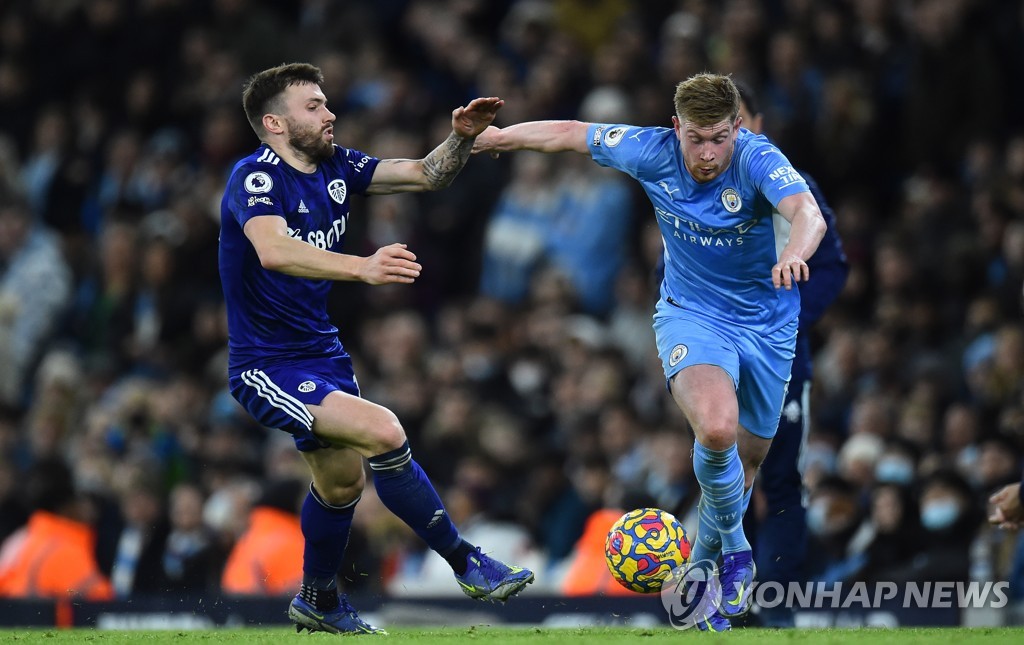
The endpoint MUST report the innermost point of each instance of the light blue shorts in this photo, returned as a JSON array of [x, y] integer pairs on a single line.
[[758, 364], [277, 396]]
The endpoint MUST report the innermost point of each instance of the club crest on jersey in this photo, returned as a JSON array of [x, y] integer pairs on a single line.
[[307, 386], [337, 190], [258, 182], [731, 200], [613, 137], [679, 352]]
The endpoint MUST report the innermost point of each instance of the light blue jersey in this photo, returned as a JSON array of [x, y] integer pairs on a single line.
[[720, 238]]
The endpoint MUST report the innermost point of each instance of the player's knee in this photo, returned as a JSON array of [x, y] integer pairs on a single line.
[[339, 491], [717, 435], [388, 434]]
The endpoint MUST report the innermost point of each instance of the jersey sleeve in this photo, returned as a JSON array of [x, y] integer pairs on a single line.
[[361, 167], [772, 173], [255, 190], [617, 146]]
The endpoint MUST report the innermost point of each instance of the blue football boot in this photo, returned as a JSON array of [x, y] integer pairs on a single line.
[[487, 578], [342, 620], [737, 579]]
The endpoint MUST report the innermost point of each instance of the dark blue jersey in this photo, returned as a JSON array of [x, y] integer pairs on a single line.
[[828, 268], [272, 316]]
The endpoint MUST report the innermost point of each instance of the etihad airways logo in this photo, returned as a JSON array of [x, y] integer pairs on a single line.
[[698, 233]]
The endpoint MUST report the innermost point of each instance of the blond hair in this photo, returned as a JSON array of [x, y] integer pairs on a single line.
[[707, 99]]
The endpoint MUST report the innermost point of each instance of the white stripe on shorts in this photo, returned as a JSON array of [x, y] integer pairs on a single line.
[[277, 397]]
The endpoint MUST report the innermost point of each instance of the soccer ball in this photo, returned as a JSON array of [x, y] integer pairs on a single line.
[[643, 547]]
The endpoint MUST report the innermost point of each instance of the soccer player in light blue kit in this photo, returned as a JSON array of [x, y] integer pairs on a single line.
[[726, 322], [283, 220]]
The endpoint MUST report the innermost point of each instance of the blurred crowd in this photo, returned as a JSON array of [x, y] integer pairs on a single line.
[[522, 363]]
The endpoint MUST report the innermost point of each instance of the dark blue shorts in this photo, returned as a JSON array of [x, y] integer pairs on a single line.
[[277, 396]]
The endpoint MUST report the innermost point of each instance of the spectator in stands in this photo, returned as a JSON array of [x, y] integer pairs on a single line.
[[267, 559], [191, 559], [35, 289], [897, 531], [950, 517], [52, 556]]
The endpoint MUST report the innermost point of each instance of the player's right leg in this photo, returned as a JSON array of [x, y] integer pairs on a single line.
[[326, 522], [277, 398]]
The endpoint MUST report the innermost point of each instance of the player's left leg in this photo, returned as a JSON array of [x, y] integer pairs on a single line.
[[764, 377], [406, 491]]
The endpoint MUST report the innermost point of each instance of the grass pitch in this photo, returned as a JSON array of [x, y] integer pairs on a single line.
[[532, 635]]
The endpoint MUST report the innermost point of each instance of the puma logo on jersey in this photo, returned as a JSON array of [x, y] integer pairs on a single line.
[[664, 184]]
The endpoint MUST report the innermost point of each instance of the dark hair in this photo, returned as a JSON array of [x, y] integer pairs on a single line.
[[263, 90], [283, 494], [49, 485], [748, 97]]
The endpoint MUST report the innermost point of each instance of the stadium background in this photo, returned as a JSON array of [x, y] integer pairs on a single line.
[[521, 363]]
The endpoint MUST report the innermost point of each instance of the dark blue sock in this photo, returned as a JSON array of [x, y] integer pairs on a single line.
[[404, 489], [326, 530]]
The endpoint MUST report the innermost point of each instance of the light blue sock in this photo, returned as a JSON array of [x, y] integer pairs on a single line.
[[708, 545], [720, 475]]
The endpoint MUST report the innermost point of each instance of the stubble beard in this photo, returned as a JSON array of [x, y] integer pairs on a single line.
[[310, 143]]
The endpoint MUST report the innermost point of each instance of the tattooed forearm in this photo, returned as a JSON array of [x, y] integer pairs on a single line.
[[445, 161]]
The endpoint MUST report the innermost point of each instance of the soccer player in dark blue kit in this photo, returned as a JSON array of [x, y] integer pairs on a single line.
[[727, 319], [283, 220], [781, 536]]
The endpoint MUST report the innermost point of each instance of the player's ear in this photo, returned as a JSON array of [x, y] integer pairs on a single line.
[[273, 123]]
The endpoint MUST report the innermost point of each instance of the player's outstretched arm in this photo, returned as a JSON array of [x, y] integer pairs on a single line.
[[539, 136], [439, 168], [807, 227], [280, 252]]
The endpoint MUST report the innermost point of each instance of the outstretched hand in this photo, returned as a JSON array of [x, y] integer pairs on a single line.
[[474, 118], [1007, 512], [391, 264]]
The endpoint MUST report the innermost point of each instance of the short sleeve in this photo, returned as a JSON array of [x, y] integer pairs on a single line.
[[772, 173], [254, 191], [615, 146], [361, 167]]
